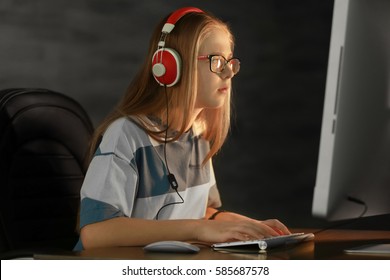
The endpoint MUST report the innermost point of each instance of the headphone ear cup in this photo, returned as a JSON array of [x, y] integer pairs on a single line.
[[166, 67]]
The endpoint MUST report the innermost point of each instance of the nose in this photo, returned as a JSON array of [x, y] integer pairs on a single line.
[[227, 73]]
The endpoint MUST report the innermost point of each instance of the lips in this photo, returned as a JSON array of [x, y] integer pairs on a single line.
[[223, 89]]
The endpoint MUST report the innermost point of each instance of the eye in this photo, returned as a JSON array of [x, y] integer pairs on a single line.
[[217, 63]]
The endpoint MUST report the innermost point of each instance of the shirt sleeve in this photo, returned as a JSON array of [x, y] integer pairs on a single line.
[[110, 185]]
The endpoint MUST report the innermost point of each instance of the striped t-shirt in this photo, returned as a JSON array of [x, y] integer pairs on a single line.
[[128, 177]]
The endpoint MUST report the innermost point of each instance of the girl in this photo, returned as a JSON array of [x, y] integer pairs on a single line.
[[151, 176]]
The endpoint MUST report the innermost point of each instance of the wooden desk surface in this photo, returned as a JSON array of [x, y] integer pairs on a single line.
[[328, 244]]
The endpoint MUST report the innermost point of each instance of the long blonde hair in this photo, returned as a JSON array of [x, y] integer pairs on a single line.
[[145, 96]]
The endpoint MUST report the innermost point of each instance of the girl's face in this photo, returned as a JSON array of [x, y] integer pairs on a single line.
[[213, 88]]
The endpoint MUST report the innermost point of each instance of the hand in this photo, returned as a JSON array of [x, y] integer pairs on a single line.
[[214, 231], [267, 228], [277, 226]]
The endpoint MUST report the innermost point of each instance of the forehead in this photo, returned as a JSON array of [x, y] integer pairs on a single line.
[[217, 41]]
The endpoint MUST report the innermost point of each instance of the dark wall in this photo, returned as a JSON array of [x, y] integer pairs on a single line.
[[91, 49]]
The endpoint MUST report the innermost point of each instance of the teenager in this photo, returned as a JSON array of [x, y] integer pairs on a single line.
[[151, 176]]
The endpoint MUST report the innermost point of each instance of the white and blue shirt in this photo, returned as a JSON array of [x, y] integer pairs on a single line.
[[127, 177]]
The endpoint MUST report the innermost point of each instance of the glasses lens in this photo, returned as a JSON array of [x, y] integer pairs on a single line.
[[217, 64], [235, 65]]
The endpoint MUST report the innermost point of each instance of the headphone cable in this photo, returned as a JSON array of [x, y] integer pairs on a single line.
[[171, 178]]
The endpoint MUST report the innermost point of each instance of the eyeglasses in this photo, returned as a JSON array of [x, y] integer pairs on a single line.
[[218, 63]]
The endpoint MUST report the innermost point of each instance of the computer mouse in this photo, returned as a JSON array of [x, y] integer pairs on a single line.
[[171, 246]]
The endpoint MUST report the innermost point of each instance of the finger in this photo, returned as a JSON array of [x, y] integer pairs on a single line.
[[241, 236], [254, 229], [234, 235], [277, 226], [269, 230], [280, 232]]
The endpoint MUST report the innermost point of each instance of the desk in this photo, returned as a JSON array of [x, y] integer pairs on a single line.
[[326, 245]]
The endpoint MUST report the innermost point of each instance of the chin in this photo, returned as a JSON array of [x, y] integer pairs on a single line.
[[215, 105]]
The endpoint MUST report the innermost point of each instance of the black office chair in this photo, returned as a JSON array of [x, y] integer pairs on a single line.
[[44, 141]]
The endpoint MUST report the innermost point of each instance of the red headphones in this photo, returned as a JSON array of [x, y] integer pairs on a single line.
[[166, 62]]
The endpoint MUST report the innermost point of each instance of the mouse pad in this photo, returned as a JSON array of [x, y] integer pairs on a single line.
[[371, 249]]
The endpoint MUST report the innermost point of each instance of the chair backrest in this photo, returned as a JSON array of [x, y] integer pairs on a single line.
[[44, 138]]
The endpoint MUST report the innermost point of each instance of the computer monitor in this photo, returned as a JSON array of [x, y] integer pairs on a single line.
[[353, 173]]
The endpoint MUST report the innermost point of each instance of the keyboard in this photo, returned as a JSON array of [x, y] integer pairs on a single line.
[[265, 243]]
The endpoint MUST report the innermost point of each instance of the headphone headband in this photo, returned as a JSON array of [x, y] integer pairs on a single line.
[[176, 15]]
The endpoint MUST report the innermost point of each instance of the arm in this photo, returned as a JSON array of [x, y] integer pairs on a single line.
[[123, 231]]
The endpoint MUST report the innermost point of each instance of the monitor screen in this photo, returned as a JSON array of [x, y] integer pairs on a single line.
[[353, 173]]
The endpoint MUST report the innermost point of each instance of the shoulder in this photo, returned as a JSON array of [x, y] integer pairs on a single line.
[[124, 133], [123, 125], [126, 127]]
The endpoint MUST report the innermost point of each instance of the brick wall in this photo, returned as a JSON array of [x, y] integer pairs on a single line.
[[91, 49]]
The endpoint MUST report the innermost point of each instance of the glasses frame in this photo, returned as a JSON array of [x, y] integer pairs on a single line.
[[210, 56]]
